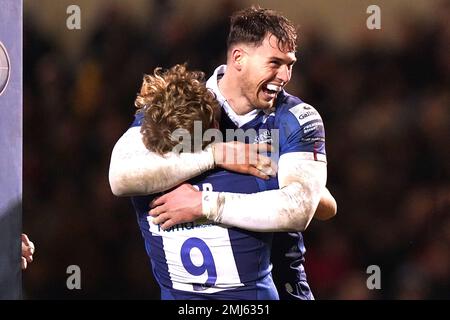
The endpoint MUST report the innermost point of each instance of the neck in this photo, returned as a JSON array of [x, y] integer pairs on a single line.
[[231, 90]]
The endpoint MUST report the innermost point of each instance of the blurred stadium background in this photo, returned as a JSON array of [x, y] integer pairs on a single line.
[[383, 95]]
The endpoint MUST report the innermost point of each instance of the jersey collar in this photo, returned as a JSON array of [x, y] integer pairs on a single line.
[[213, 85]]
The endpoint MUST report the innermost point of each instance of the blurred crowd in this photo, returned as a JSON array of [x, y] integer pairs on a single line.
[[386, 110]]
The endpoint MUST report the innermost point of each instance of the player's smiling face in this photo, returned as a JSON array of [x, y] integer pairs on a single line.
[[265, 71]]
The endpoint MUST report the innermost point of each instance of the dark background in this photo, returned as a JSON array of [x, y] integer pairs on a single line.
[[383, 96]]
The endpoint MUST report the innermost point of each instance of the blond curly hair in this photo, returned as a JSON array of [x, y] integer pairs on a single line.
[[174, 99]]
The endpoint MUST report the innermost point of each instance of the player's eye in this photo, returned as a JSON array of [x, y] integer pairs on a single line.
[[275, 63]]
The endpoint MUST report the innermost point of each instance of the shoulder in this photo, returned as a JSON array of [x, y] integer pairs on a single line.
[[300, 127], [293, 111]]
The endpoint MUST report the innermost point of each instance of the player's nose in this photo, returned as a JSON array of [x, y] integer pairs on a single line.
[[284, 74]]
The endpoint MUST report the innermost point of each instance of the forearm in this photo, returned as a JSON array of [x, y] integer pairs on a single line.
[[327, 207], [276, 210], [134, 170], [290, 208]]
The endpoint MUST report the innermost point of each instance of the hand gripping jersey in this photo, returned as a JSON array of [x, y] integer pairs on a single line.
[[292, 126], [201, 260]]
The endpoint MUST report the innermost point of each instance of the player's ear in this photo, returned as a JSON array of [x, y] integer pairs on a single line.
[[237, 57]]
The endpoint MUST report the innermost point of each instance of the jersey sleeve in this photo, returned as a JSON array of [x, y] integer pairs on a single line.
[[302, 130]]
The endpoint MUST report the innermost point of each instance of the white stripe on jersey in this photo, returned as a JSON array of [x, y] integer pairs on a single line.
[[310, 156], [203, 241]]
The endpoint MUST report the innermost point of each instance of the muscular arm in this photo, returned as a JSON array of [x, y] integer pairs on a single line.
[[134, 170], [302, 177], [289, 208], [327, 207]]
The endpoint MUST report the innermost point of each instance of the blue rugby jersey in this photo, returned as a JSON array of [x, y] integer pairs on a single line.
[[293, 126], [300, 130], [201, 260]]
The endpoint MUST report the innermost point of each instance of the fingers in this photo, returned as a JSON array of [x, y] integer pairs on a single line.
[[31, 247], [189, 186], [247, 159], [27, 251], [264, 168], [160, 219], [158, 201], [239, 153], [27, 247], [266, 165], [164, 198], [164, 221], [156, 211], [25, 239], [263, 147], [269, 170], [168, 224], [28, 257], [257, 173], [274, 168], [219, 151], [264, 161]]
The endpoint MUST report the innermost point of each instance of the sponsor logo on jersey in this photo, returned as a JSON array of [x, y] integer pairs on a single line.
[[317, 125], [305, 113], [264, 136], [188, 226], [199, 224], [314, 139]]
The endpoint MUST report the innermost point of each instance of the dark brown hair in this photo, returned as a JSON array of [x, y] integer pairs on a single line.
[[174, 99], [251, 26]]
